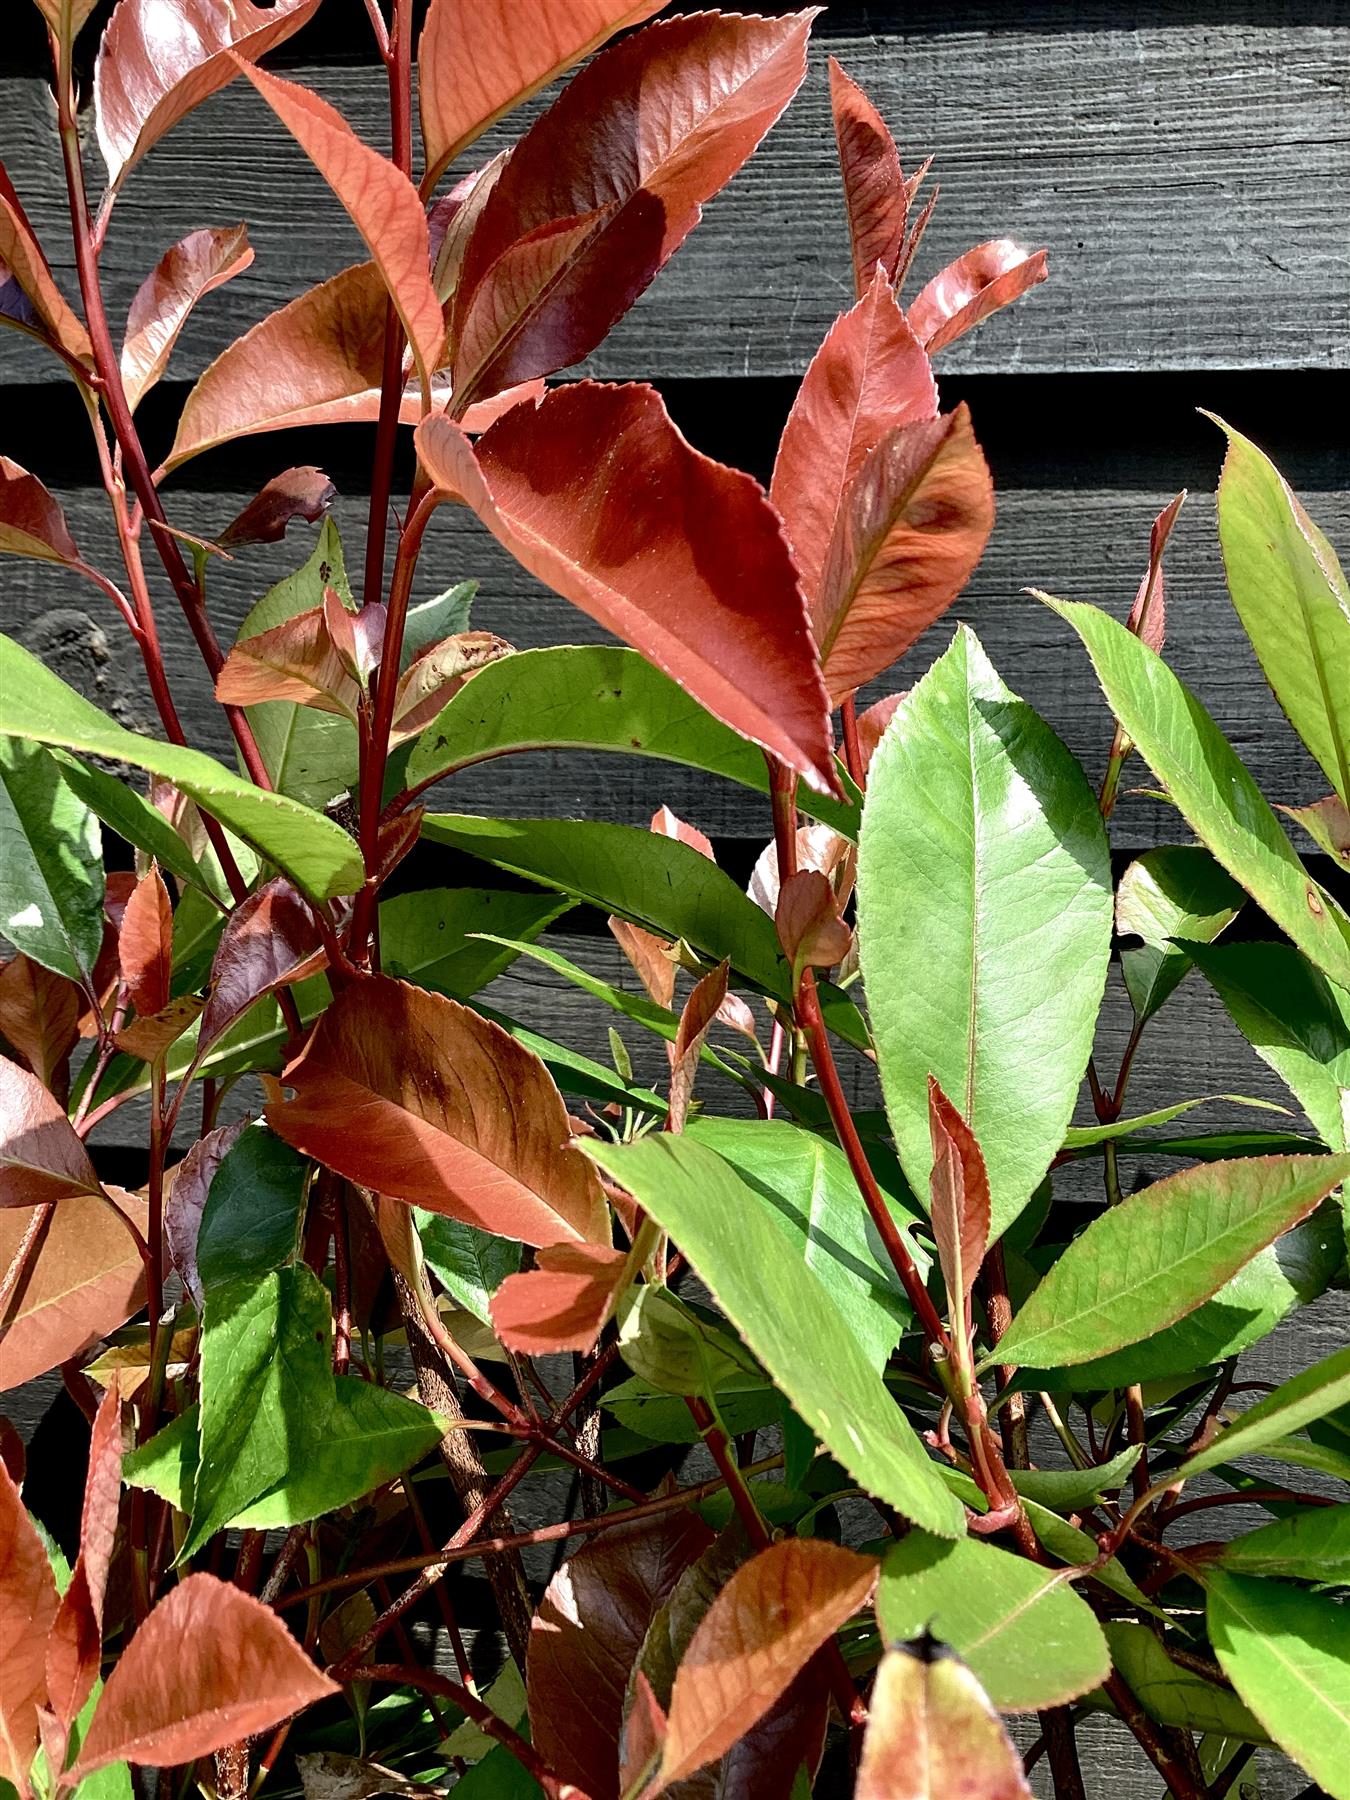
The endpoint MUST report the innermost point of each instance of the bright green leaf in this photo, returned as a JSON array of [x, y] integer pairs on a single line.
[[1087, 1137], [51, 864], [446, 615], [1307, 1546], [1176, 892], [1295, 1403]]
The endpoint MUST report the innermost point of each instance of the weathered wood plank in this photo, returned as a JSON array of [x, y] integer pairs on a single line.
[[1086, 545], [1179, 173]]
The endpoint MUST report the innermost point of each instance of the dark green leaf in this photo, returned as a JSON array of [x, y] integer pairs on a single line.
[[745, 1402], [469, 1264], [1176, 892], [425, 936], [253, 1213], [133, 817], [1069, 1490], [51, 864]]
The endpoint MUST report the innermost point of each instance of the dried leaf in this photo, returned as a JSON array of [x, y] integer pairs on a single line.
[[478, 59], [875, 195], [412, 1095], [765, 1625], [28, 1603], [932, 1733], [209, 1666], [915, 526], [149, 1036], [1148, 615], [74, 1649], [85, 1279], [297, 660], [597, 494], [40, 1018], [563, 1303], [270, 940], [29, 296], [41, 1158], [185, 274], [984, 280], [437, 675], [145, 944], [303, 493], [156, 64], [31, 520], [869, 376], [960, 1207], [809, 926]]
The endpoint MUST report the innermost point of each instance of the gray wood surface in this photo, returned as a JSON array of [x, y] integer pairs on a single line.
[[1180, 172]]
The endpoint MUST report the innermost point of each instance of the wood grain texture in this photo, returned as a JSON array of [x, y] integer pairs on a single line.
[[1179, 173]]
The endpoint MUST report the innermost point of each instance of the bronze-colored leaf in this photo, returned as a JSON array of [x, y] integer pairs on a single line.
[[28, 1603], [31, 520], [563, 1303], [29, 296], [984, 280], [270, 940], [41, 1158], [933, 1735], [876, 199], [75, 1647], [85, 1278], [960, 1208], [145, 944], [303, 493], [164, 301], [40, 1019]]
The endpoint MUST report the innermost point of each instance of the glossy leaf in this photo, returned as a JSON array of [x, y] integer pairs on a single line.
[[41, 1158], [28, 1603], [586, 1636], [638, 140], [189, 1183], [66, 18], [807, 920], [301, 493], [959, 1207], [31, 521], [185, 274], [1176, 892], [380, 201], [756, 1637], [86, 1279], [1029, 1639], [785, 1315], [477, 63], [415, 1096], [51, 865], [1148, 615], [209, 1666], [1161, 1252], [469, 1264], [145, 944], [152, 71], [425, 936], [253, 1208], [299, 661], [29, 296], [868, 377], [596, 493], [981, 282], [1287, 1652], [876, 199], [1305, 1397], [1211, 788], [37, 706], [1313, 1545], [141, 823], [270, 940], [979, 820], [1293, 1018], [932, 1734], [1293, 601], [563, 1303], [593, 697], [914, 525]]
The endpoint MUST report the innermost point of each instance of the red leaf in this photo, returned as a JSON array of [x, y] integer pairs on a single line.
[[41, 1158], [270, 940], [873, 722], [145, 944], [667, 824], [85, 1278], [477, 59], [74, 1649], [818, 847], [12, 1452], [156, 64], [916, 524], [705, 1001], [1148, 615], [809, 927], [31, 521], [66, 18], [304, 493], [209, 1666], [183, 275], [651, 129], [869, 376], [28, 1602], [358, 637], [562, 1304], [932, 1734], [296, 660], [765, 1625], [29, 296], [412, 1095], [149, 1036], [644, 1732], [959, 1187], [381, 202], [984, 280], [651, 957], [40, 1019], [586, 1636], [437, 675], [596, 493], [189, 1184], [875, 196]]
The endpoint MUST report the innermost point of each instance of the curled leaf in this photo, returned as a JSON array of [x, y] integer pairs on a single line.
[[809, 927], [705, 1002], [145, 944], [39, 1019], [302, 493], [29, 296], [875, 196], [270, 940], [75, 1647], [983, 281], [28, 1602], [189, 1184], [297, 660], [183, 275], [960, 1207], [1148, 615]]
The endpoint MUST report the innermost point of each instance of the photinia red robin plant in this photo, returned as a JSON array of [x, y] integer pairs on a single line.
[[399, 1262]]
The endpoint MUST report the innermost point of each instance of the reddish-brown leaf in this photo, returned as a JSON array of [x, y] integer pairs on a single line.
[[564, 1303], [85, 1278], [1148, 615], [412, 1095], [984, 280], [916, 524], [1327, 823], [189, 1184], [706, 999], [644, 1732], [381, 202], [436, 676], [74, 1649], [873, 722], [477, 59], [869, 376], [65, 17], [183, 275], [302, 493], [651, 130], [12, 1452], [651, 958], [29, 296], [818, 847], [959, 1189], [270, 940], [40, 1019], [151, 1034], [769, 1620], [28, 1602], [586, 1636], [876, 199], [596, 493], [157, 63], [41, 1158], [31, 521], [668, 824], [209, 1666], [809, 927], [451, 223], [296, 660], [145, 944], [932, 1734]]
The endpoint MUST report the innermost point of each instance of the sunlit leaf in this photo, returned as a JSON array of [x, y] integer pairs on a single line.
[[29, 296], [563, 1303], [185, 274], [1176, 892], [145, 944], [1312, 1545], [876, 199], [51, 864], [31, 521], [981, 282], [28, 1603], [1307, 1396], [86, 1278], [41, 1158], [75, 1647], [932, 1733]]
